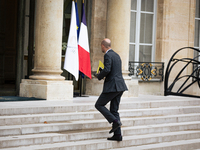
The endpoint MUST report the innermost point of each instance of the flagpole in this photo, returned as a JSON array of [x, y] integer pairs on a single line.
[[72, 77], [80, 84], [81, 74]]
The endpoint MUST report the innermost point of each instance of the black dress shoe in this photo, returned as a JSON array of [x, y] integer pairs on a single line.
[[115, 126], [115, 138]]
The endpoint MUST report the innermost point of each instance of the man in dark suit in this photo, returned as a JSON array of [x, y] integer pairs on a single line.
[[113, 88]]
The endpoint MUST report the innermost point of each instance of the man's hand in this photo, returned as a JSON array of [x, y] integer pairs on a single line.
[[95, 74], [100, 69]]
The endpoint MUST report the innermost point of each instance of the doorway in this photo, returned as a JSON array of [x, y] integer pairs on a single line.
[[8, 46]]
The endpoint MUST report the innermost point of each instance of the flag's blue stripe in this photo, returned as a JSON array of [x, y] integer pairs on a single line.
[[77, 20]]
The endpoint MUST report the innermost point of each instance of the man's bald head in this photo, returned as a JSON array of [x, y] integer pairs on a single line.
[[105, 45]]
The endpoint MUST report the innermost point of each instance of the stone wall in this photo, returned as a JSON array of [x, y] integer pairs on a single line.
[[175, 29]]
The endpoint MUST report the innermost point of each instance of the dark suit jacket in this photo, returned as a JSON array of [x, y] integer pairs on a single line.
[[114, 81]]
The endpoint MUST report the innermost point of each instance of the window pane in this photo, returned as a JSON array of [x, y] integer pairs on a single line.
[[133, 27], [132, 52], [146, 28], [147, 5], [133, 4], [145, 53], [197, 30], [197, 14]]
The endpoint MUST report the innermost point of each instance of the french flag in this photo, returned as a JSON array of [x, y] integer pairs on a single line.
[[83, 48]]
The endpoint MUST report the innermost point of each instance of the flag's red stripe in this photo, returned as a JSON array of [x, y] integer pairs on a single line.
[[84, 61]]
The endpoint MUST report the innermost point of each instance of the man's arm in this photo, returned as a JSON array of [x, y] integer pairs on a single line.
[[107, 67]]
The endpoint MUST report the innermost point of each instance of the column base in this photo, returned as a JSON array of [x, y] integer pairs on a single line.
[[47, 77], [49, 90], [133, 88], [132, 85], [95, 87]]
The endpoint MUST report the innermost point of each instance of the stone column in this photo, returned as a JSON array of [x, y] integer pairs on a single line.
[[48, 39], [118, 31], [175, 29], [118, 28], [46, 80], [98, 33]]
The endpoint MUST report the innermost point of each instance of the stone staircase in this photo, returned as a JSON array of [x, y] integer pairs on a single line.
[[149, 122]]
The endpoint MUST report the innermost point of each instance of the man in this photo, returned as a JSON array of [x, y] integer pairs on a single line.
[[113, 88]]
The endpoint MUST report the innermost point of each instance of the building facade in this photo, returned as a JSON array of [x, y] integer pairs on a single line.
[[143, 33]]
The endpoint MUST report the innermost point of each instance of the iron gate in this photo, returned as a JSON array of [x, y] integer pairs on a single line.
[[184, 81]]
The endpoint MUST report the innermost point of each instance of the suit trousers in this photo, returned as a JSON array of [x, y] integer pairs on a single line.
[[112, 114]]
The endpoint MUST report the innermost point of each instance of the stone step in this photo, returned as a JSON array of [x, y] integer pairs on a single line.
[[174, 145], [45, 107], [56, 117], [45, 138], [128, 141], [93, 124]]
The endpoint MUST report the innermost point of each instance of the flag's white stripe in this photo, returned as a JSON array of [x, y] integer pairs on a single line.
[[83, 38]]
